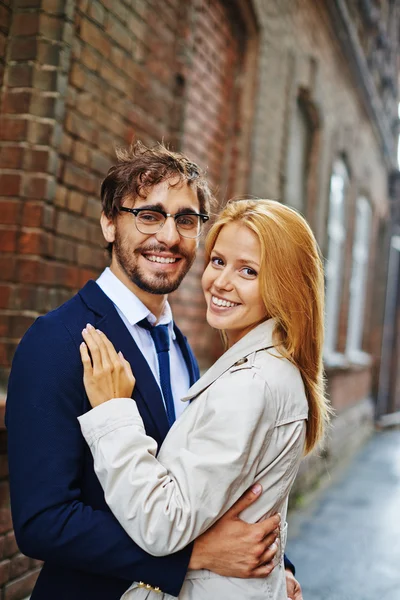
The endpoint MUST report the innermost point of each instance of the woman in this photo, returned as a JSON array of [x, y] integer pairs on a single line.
[[250, 417]]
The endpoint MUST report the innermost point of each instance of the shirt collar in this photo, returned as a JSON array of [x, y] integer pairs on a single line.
[[129, 305]]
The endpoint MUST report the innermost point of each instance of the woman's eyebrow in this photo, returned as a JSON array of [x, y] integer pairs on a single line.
[[248, 261]]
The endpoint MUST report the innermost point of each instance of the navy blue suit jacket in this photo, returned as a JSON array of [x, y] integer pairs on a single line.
[[58, 507]]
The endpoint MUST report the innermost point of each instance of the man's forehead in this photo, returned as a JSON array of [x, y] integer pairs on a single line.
[[166, 194]]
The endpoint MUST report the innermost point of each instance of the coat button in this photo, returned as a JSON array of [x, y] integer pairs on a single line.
[[242, 361]]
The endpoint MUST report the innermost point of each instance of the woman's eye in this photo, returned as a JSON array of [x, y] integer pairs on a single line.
[[249, 272], [217, 261]]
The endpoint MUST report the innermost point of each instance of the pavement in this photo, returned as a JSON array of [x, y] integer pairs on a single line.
[[346, 543]]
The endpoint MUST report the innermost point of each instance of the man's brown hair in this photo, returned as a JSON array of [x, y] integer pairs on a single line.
[[139, 168]]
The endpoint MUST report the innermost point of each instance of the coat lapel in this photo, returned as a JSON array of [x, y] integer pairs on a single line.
[[114, 328], [259, 338]]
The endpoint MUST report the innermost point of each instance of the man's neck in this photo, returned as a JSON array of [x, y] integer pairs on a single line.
[[154, 302]]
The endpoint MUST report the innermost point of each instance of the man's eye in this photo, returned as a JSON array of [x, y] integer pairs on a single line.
[[187, 221], [150, 217]]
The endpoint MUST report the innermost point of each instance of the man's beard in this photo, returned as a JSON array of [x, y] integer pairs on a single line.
[[161, 283]]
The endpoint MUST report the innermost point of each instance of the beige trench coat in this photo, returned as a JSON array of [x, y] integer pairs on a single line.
[[245, 424]]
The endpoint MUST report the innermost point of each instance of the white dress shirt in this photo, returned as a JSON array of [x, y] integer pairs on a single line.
[[132, 310]]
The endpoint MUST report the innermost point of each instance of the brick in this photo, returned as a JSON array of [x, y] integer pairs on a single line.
[[4, 571], [8, 240], [16, 102], [60, 198], [77, 75], [8, 265], [97, 12], [21, 587], [40, 133], [26, 24], [65, 249], [20, 75], [10, 544], [93, 208], [51, 27], [5, 518], [100, 163], [11, 157], [79, 127], [20, 564], [7, 350], [31, 242], [23, 48], [44, 106], [5, 295], [48, 53], [43, 161], [4, 494], [45, 79], [95, 37], [32, 214], [3, 473], [5, 17], [76, 202], [81, 153], [71, 226], [119, 33], [36, 186], [10, 184], [90, 58], [9, 211], [79, 178], [13, 129]]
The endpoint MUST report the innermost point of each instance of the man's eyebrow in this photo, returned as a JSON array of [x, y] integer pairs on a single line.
[[161, 207]]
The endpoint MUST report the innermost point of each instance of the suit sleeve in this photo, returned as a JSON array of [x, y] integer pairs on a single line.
[[165, 503], [46, 462]]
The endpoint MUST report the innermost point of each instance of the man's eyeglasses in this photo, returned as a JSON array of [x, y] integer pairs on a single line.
[[151, 221]]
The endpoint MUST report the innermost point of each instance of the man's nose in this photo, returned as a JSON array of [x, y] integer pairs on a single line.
[[168, 234]]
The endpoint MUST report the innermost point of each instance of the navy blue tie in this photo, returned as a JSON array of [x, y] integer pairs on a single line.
[[160, 336]]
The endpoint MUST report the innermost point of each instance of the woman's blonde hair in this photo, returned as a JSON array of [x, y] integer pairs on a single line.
[[292, 288]]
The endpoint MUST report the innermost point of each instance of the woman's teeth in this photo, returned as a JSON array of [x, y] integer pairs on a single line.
[[220, 302], [161, 259]]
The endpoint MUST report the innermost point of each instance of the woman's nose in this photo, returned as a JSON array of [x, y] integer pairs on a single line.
[[224, 280]]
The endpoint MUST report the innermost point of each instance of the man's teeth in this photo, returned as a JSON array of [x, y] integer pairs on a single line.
[[220, 302], [161, 259]]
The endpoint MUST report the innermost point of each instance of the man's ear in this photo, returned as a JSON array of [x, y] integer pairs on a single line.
[[108, 228]]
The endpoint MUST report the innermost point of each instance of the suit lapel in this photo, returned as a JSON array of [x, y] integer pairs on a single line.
[[114, 328]]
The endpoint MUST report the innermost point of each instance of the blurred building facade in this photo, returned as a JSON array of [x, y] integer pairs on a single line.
[[288, 99]]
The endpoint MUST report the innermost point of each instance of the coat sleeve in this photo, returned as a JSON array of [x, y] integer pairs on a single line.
[[165, 503], [47, 469]]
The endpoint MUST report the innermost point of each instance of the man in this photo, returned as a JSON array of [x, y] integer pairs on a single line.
[[154, 202]]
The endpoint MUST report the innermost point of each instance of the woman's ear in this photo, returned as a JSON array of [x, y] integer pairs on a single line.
[[108, 228]]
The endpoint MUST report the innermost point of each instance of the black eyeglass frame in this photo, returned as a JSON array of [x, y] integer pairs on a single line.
[[135, 211]]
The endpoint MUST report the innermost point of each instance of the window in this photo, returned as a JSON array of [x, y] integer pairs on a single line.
[[359, 280], [333, 268], [298, 154]]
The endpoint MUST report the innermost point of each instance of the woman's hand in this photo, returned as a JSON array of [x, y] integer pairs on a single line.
[[107, 375]]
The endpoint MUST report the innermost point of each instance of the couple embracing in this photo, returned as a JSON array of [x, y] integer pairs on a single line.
[[130, 476]]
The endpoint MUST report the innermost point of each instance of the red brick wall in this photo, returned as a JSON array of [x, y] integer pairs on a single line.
[[78, 78]]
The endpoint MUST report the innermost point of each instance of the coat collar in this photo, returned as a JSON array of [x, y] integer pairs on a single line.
[[257, 339]]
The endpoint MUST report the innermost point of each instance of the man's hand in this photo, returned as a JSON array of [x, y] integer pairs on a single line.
[[292, 586], [234, 548]]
